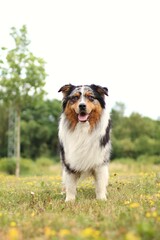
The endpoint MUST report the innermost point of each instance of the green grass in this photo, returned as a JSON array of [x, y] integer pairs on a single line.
[[34, 208]]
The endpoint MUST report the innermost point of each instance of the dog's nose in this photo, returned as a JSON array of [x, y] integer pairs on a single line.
[[82, 106]]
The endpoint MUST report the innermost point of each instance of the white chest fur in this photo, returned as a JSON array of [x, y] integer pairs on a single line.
[[82, 147]]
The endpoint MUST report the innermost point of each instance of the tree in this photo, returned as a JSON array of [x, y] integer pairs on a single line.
[[22, 78], [3, 129], [118, 111], [40, 131]]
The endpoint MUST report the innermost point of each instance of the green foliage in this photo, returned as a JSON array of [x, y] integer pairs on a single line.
[[149, 159], [3, 129], [134, 135], [8, 166], [22, 74], [44, 162], [22, 78], [41, 166], [27, 167], [39, 128]]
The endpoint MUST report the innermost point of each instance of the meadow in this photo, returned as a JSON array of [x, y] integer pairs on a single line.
[[33, 207]]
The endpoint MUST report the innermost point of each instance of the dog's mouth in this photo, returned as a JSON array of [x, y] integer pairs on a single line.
[[83, 116]]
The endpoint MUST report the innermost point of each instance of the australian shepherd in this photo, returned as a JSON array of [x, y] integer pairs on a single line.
[[84, 136]]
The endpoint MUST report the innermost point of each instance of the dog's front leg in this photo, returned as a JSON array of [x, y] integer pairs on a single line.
[[70, 182], [101, 181]]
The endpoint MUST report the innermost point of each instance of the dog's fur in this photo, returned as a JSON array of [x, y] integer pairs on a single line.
[[84, 135]]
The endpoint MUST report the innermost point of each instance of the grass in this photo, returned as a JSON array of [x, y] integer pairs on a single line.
[[34, 208]]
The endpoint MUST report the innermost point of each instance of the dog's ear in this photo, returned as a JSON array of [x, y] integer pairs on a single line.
[[66, 89], [101, 90]]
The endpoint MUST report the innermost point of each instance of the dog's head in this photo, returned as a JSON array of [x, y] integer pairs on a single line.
[[83, 103]]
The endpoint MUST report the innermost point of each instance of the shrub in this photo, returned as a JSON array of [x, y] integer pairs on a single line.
[[44, 162], [56, 159], [149, 159], [8, 165], [27, 166], [41, 166]]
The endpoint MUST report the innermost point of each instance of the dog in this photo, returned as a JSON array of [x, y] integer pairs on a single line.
[[84, 137]]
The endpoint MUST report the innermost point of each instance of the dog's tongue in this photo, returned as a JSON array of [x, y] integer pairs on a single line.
[[83, 118]]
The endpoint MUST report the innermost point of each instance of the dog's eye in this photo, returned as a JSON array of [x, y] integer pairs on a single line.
[[74, 98], [91, 98]]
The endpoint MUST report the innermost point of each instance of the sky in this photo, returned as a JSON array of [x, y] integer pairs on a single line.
[[112, 43]]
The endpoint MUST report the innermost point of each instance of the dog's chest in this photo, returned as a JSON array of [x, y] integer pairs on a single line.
[[82, 147]]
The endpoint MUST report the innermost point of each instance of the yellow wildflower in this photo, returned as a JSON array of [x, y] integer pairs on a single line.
[[154, 214], [90, 232], [13, 224], [13, 234], [148, 214], [32, 214], [134, 205], [49, 232], [64, 232], [132, 236]]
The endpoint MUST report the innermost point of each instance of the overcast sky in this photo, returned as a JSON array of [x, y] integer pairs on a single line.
[[113, 43]]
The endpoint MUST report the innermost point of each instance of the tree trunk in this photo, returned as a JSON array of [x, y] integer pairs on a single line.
[[18, 145]]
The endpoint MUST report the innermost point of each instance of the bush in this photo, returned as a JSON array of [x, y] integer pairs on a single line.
[[44, 162], [8, 165], [41, 166], [149, 159], [126, 160], [56, 159], [27, 166]]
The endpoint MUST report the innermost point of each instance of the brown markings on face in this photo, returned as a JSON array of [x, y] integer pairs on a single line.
[[93, 108], [71, 110], [95, 113], [74, 102], [71, 115]]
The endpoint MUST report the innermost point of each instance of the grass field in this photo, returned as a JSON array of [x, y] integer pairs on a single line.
[[34, 208]]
